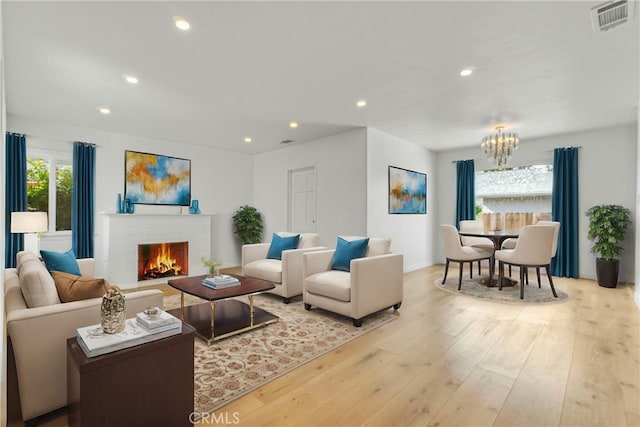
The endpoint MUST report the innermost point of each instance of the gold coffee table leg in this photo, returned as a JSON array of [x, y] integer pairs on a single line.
[[213, 317], [182, 304], [251, 309]]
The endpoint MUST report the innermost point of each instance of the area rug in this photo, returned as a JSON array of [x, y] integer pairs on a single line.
[[235, 366], [508, 295]]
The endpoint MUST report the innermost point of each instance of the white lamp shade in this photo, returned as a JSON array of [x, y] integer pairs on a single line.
[[29, 222]]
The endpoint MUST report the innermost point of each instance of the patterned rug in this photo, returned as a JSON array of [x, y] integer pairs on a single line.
[[232, 367], [508, 295]]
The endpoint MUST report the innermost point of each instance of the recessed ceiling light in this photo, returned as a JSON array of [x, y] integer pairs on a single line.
[[466, 72], [293, 125], [104, 110], [247, 139], [361, 103], [183, 24], [131, 79]]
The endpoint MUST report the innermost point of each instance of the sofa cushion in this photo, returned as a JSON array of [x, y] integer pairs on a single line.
[[308, 240], [379, 246], [346, 250], [58, 261], [265, 269], [75, 288], [36, 284], [282, 243], [333, 284], [24, 256]]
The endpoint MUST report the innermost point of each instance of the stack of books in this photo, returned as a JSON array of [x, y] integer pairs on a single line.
[[160, 322], [143, 329], [220, 282]]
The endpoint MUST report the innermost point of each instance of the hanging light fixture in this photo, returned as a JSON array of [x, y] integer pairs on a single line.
[[499, 146]]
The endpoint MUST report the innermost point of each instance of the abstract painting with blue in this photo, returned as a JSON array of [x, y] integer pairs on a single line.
[[407, 191], [155, 179]]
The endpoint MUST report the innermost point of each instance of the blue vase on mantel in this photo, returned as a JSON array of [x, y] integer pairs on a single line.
[[119, 206], [195, 207], [128, 207]]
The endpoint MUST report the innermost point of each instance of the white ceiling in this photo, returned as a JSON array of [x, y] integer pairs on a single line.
[[248, 68]]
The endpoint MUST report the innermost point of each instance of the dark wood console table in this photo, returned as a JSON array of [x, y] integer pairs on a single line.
[[149, 384]]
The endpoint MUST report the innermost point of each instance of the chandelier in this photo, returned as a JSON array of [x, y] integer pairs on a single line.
[[499, 146]]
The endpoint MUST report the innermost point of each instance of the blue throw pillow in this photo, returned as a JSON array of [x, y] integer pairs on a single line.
[[346, 251], [65, 262], [279, 244]]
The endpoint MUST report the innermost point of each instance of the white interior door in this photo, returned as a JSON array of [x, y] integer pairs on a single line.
[[302, 200]]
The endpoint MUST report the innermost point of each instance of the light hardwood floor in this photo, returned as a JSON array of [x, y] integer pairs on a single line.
[[454, 360]]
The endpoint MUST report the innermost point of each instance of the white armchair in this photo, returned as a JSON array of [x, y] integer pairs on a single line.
[[374, 282], [286, 273]]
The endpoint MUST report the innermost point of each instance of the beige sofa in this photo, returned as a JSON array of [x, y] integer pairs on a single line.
[[38, 335], [373, 283], [286, 274]]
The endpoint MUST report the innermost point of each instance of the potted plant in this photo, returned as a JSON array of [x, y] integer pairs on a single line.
[[607, 226], [247, 225]]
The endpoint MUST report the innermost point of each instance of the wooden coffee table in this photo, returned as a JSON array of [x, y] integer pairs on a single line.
[[222, 317]]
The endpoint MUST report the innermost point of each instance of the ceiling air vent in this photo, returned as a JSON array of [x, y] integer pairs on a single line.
[[610, 14]]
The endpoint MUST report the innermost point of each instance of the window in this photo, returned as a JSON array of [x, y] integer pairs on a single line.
[[514, 197], [49, 182]]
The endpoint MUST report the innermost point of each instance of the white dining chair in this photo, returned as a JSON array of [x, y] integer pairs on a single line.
[[456, 252], [511, 244], [533, 249], [475, 226]]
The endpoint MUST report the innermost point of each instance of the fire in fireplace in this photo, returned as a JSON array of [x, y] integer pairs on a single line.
[[158, 260]]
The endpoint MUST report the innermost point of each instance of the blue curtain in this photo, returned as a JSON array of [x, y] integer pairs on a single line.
[[15, 192], [564, 208], [465, 191], [82, 199]]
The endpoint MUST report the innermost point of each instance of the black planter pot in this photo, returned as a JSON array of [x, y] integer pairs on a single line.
[[607, 272]]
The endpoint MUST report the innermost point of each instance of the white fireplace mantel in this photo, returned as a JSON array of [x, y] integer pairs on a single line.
[[120, 234]]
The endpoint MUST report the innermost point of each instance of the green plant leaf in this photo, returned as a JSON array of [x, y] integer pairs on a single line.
[[247, 225], [607, 227]]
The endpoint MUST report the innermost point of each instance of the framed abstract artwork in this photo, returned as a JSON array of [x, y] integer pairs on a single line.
[[407, 191], [153, 179]]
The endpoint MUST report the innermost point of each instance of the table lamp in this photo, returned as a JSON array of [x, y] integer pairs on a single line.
[[29, 223]]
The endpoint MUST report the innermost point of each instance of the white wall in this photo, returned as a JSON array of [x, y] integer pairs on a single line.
[[340, 163], [637, 216], [411, 235], [352, 181], [607, 175], [221, 180]]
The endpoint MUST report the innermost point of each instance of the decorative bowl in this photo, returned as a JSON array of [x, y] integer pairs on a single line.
[[152, 311]]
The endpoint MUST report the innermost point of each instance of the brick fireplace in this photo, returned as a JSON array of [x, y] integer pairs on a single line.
[[120, 235]]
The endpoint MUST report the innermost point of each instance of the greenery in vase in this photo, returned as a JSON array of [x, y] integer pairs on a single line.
[[607, 226], [247, 225], [211, 264]]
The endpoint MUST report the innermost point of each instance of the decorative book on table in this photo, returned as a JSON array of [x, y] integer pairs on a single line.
[[94, 341], [219, 282], [157, 321]]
